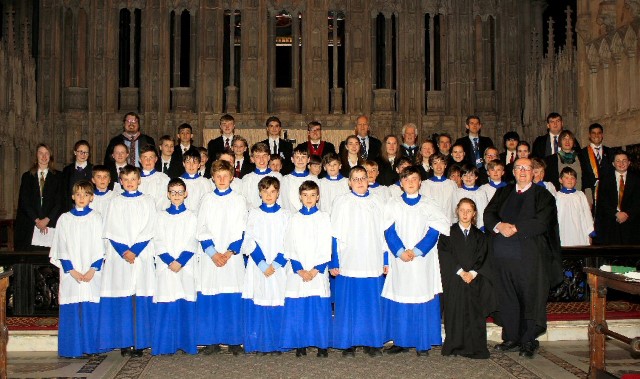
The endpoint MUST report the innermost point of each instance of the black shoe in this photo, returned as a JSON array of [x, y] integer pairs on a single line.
[[395, 349], [301, 351], [137, 353], [422, 353], [507, 346], [236, 349], [126, 351], [323, 353], [373, 351], [350, 352], [211, 349], [528, 349]]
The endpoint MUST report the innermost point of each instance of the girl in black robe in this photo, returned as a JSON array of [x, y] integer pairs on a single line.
[[467, 295]]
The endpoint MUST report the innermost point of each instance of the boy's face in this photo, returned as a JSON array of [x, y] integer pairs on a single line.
[[621, 163], [120, 155], [411, 184], [495, 174], [568, 181], [275, 165], [439, 166], [596, 136], [465, 213], [227, 157], [269, 195], [167, 148], [222, 179], [359, 182], [260, 159], [469, 179], [238, 148], [522, 151], [372, 173], [227, 127], [101, 180], [333, 168], [82, 198], [203, 159], [444, 145], [273, 129], [538, 174], [148, 160], [309, 198], [315, 168], [185, 135], [490, 155], [130, 182], [511, 144], [455, 176], [191, 165], [177, 194], [300, 161]]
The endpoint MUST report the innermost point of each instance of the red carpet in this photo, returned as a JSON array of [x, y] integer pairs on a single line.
[[32, 323]]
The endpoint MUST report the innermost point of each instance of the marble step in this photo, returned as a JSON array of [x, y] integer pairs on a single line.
[[47, 340]]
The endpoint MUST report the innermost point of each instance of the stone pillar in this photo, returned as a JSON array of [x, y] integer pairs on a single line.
[[256, 46], [231, 90]]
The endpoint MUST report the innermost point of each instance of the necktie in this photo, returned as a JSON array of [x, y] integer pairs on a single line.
[[226, 143], [316, 146], [620, 191], [513, 158], [184, 150], [363, 147], [133, 154], [476, 151], [519, 192], [275, 147], [237, 173], [598, 156], [466, 233], [165, 168], [41, 186], [555, 144], [120, 170], [79, 168]]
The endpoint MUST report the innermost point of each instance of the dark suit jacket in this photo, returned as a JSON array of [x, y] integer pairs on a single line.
[[388, 174], [405, 152], [142, 141], [176, 168], [177, 153], [326, 149], [588, 176], [607, 229], [71, 176], [541, 147], [285, 149], [374, 148], [246, 167], [551, 173], [29, 207], [469, 156], [214, 147], [503, 158]]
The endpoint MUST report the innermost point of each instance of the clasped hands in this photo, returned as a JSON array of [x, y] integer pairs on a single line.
[[308, 275], [507, 229], [86, 277], [220, 259]]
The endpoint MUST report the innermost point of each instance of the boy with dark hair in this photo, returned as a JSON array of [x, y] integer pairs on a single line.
[[260, 158], [290, 195], [574, 213], [471, 190], [438, 187], [152, 182], [197, 186], [100, 177], [168, 163], [333, 184]]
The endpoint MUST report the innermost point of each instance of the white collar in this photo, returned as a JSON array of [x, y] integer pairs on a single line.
[[81, 164], [525, 187]]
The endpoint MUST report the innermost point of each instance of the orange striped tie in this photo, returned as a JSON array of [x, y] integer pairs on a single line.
[[620, 191]]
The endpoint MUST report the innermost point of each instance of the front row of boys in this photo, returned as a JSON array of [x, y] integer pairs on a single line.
[[280, 301]]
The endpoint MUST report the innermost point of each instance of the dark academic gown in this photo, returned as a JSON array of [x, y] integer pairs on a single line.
[[29, 207], [466, 306], [526, 265], [143, 140], [324, 148], [70, 176], [592, 172], [388, 174]]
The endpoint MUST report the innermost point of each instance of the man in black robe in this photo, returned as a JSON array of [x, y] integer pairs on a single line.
[[525, 257]]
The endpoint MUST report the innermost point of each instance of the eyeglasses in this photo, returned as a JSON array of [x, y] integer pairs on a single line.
[[358, 180], [522, 168], [82, 152], [131, 121], [174, 193]]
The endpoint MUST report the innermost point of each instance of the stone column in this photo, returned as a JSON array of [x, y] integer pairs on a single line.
[[231, 90]]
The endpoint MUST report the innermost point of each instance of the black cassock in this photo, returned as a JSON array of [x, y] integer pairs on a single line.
[[466, 306]]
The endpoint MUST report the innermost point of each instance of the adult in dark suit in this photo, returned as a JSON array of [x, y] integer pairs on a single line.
[[510, 142], [525, 257], [474, 144], [618, 210], [370, 146], [567, 156], [314, 144], [132, 138], [40, 200], [409, 148], [80, 169], [595, 160], [549, 144], [223, 142], [279, 145]]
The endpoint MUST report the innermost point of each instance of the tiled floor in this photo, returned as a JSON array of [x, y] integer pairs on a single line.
[[555, 360]]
